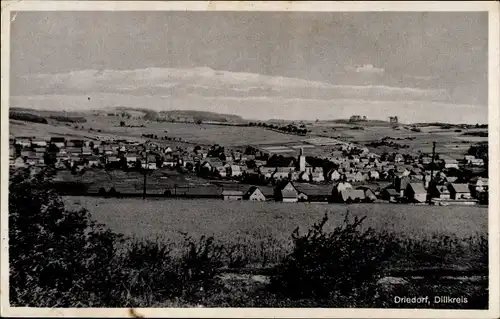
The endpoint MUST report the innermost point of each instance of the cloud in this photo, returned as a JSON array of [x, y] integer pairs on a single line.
[[421, 77], [365, 69], [207, 82], [264, 108]]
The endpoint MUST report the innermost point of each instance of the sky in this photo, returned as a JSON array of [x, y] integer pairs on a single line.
[[439, 57]]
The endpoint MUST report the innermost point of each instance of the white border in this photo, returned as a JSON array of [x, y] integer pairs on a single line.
[[494, 144]]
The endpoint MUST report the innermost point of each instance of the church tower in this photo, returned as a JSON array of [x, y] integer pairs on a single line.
[[302, 161]]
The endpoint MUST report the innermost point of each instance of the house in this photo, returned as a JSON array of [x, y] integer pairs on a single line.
[[314, 193], [221, 171], [478, 185], [449, 163], [151, 160], [477, 162], [131, 157], [27, 154], [426, 160], [74, 151], [451, 179], [398, 158], [212, 163], [400, 184], [74, 161], [38, 143], [459, 191], [338, 188], [370, 195], [267, 172], [415, 192], [372, 188], [415, 171], [481, 184], [426, 178], [390, 194], [373, 175], [93, 161], [32, 160], [61, 158], [86, 151], [112, 159], [169, 161], [286, 192], [232, 195], [254, 194], [39, 149], [23, 141], [350, 177], [360, 177], [107, 149], [234, 171], [352, 195], [282, 173], [60, 142], [469, 158], [19, 163], [334, 175], [440, 191], [317, 176], [259, 163], [77, 143], [294, 176]]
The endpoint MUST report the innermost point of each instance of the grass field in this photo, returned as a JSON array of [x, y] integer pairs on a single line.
[[270, 224], [100, 126], [109, 127]]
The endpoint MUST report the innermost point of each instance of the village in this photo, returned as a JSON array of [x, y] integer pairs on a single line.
[[345, 173]]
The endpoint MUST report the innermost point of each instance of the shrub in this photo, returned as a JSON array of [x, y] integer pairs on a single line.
[[68, 119], [27, 117], [52, 251], [342, 261], [199, 265], [62, 258]]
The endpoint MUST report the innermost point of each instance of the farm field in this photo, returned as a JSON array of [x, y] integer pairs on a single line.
[[109, 127], [256, 223], [448, 142], [131, 182]]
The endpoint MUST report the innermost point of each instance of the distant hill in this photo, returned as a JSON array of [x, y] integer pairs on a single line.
[[368, 122], [193, 116]]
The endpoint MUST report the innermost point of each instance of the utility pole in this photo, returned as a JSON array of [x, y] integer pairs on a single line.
[[432, 171], [145, 177]]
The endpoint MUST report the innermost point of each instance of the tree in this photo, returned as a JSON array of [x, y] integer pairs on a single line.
[[251, 164], [54, 253], [122, 123], [18, 149]]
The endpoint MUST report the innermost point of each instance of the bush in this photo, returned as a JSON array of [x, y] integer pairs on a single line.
[[27, 117], [55, 255], [323, 264], [68, 119], [62, 258]]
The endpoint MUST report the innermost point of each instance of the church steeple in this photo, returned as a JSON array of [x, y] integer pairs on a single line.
[[302, 160]]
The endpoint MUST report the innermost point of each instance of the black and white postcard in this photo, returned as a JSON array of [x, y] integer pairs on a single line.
[[250, 159]]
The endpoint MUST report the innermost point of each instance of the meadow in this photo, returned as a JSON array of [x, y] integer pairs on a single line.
[[264, 228], [109, 127], [448, 142]]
